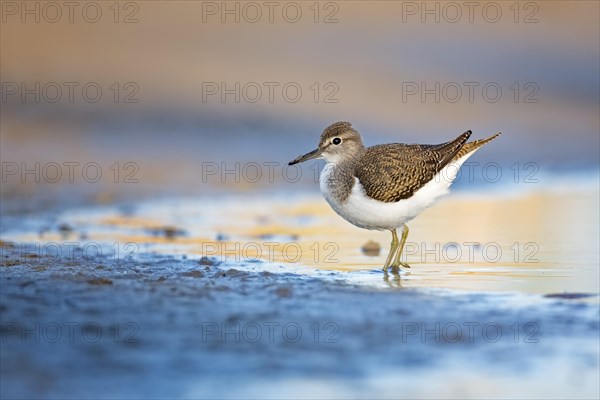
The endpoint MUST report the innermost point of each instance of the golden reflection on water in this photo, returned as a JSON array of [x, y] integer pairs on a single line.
[[539, 243]]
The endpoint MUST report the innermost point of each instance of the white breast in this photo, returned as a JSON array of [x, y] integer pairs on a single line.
[[365, 212]]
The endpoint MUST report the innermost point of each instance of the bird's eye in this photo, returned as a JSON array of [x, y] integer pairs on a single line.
[[336, 140]]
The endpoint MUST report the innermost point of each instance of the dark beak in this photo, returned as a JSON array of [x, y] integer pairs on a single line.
[[308, 156]]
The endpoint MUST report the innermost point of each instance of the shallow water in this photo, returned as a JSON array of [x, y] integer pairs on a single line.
[[535, 243], [286, 301], [189, 261]]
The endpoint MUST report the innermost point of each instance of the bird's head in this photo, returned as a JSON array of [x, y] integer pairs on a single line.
[[338, 142]]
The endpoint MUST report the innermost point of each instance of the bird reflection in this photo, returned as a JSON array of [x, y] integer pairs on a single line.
[[393, 281]]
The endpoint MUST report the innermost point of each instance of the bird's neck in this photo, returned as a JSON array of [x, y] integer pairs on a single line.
[[337, 180]]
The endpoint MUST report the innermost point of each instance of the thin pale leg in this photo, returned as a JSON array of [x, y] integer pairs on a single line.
[[397, 263], [393, 247]]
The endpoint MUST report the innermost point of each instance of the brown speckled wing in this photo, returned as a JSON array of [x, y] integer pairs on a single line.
[[392, 172]]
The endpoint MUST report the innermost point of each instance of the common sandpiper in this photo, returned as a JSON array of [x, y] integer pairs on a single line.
[[385, 186]]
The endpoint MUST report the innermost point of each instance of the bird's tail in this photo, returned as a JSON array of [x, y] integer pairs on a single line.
[[470, 147]]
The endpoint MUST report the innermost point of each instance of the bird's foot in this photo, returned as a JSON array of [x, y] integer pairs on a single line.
[[395, 268], [400, 264]]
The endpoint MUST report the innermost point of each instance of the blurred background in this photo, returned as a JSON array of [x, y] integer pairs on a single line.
[[166, 97], [155, 130]]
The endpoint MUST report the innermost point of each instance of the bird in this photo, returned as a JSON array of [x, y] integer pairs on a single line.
[[383, 187]]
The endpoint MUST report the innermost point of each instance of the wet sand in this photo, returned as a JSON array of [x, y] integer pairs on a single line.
[[186, 295], [190, 262], [534, 243]]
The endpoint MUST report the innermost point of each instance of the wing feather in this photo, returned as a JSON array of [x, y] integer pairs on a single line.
[[392, 172]]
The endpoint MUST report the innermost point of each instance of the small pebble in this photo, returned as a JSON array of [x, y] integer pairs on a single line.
[[371, 248], [193, 274], [206, 261], [283, 292], [99, 281]]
